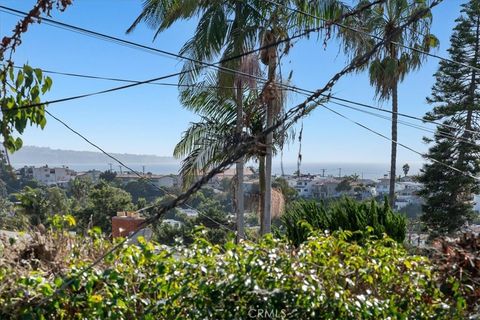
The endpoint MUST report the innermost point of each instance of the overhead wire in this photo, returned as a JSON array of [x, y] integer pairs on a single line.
[[368, 34], [332, 97], [154, 50], [400, 144], [91, 94], [150, 49], [214, 65], [409, 124]]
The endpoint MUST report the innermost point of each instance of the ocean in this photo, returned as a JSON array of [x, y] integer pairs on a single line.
[[365, 170]]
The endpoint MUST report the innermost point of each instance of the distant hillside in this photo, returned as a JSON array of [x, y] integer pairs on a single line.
[[30, 155]]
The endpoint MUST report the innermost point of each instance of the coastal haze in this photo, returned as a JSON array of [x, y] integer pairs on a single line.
[[88, 160]]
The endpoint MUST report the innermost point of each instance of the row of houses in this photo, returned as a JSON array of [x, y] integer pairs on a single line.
[[320, 187], [61, 176]]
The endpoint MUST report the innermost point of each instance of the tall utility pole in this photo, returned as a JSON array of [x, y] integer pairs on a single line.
[[111, 166], [120, 169], [339, 172], [323, 172], [143, 170]]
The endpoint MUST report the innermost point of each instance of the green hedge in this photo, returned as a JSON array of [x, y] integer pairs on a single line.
[[304, 217], [327, 277]]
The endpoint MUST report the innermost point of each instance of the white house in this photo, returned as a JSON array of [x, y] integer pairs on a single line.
[[191, 213], [304, 186], [407, 193], [383, 186], [59, 176]]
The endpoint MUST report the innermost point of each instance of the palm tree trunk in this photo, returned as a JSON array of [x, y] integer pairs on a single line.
[[261, 182], [267, 214], [393, 155], [267, 209], [240, 165]]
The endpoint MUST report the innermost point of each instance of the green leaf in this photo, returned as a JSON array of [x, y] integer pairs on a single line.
[[46, 85], [43, 122], [34, 93], [19, 80], [18, 143], [39, 74], [58, 282]]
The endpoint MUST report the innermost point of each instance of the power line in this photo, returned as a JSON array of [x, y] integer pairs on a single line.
[[409, 124], [398, 113], [136, 45], [169, 84], [400, 144], [87, 76], [151, 49], [34, 105], [373, 35]]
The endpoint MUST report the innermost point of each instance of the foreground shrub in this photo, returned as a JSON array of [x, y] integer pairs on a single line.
[[327, 277], [302, 218], [457, 263]]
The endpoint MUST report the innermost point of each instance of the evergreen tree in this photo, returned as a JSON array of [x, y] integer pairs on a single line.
[[449, 194]]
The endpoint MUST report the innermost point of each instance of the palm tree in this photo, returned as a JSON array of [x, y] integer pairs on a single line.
[[226, 29], [392, 62], [406, 168], [216, 34]]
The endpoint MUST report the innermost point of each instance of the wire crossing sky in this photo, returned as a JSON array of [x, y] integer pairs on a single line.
[[150, 120]]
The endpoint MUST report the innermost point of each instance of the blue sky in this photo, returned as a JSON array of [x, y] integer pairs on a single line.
[[149, 119]]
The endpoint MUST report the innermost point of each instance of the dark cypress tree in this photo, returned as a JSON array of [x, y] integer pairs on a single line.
[[448, 193]]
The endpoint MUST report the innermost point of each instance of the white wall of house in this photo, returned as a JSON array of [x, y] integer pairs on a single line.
[[52, 176], [304, 187]]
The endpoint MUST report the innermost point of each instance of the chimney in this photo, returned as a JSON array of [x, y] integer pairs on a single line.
[[125, 223]]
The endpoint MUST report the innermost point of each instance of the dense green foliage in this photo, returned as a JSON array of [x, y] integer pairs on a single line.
[[447, 191], [304, 218], [327, 277], [104, 202], [38, 204], [21, 88]]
